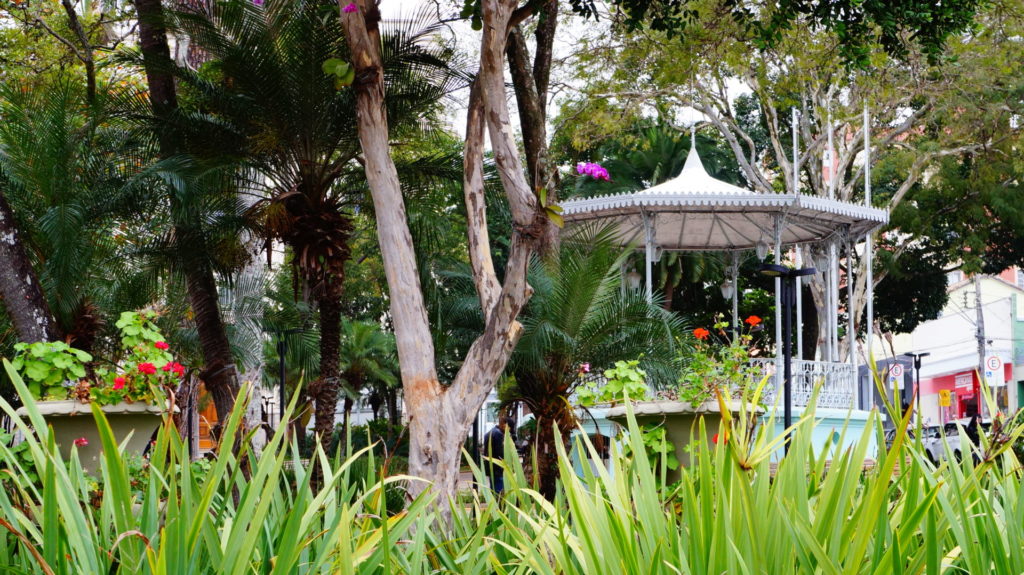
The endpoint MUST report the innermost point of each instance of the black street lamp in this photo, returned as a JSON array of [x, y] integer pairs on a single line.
[[787, 296], [917, 377], [282, 349]]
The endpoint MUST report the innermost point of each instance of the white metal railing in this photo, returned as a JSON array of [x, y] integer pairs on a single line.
[[838, 391]]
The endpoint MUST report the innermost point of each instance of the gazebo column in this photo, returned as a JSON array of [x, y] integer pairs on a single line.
[[833, 301], [778, 306], [851, 323], [648, 255], [735, 272], [799, 307], [799, 257], [869, 246]]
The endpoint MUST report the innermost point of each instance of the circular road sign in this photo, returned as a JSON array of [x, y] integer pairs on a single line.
[[993, 362], [896, 370]]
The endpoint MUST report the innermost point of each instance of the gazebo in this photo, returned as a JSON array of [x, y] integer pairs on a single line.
[[696, 212]]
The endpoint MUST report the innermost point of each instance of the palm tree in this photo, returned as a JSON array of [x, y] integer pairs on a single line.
[[582, 313], [270, 104], [65, 168], [368, 357]]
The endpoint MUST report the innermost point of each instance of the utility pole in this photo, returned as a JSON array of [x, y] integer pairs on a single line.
[[981, 340]]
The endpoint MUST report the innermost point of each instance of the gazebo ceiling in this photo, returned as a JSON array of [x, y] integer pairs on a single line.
[[697, 212]]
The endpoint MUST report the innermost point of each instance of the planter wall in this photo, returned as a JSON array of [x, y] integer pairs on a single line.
[[828, 428], [71, 420], [681, 421]]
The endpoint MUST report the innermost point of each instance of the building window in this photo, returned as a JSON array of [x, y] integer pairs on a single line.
[[954, 277], [1020, 278]]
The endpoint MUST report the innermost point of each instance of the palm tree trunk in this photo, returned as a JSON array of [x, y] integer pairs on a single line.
[[550, 414], [219, 374], [325, 393], [19, 286]]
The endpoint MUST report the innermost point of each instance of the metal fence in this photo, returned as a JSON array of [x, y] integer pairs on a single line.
[[839, 382]]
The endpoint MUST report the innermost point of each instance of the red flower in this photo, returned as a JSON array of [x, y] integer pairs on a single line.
[[161, 345], [119, 383], [701, 333], [753, 320], [81, 442], [174, 366], [147, 368]]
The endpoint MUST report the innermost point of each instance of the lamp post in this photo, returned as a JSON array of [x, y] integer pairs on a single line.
[[787, 296], [282, 349], [917, 377]]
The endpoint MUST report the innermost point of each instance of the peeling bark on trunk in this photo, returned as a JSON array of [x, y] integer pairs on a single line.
[[219, 374], [439, 417], [20, 289]]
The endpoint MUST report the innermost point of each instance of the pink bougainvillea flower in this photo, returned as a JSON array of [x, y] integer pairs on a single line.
[[81, 442], [161, 345], [584, 368], [119, 383], [147, 368], [701, 333], [257, 2], [350, 8]]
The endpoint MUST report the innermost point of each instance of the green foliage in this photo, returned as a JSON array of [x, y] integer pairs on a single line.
[[625, 380], [741, 506], [366, 469], [342, 72], [658, 450], [50, 367], [138, 330], [55, 370], [718, 364], [384, 439]]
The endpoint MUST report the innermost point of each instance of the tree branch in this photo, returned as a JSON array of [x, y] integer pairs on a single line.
[[484, 277]]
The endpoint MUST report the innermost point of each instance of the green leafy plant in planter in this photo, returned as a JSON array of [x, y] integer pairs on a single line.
[[57, 371], [49, 366], [625, 381], [718, 364]]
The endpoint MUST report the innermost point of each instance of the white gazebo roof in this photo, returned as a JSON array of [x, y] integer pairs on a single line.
[[695, 211]]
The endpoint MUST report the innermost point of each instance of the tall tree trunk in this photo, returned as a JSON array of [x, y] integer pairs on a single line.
[[20, 289], [219, 374], [531, 85], [440, 416], [325, 391]]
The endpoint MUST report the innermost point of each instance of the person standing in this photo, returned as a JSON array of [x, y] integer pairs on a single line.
[[494, 448]]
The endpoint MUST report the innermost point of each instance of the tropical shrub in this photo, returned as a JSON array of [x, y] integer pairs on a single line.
[[740, 507]]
